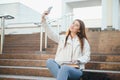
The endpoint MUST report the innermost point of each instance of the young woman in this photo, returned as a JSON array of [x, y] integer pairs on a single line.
[[73, 51]]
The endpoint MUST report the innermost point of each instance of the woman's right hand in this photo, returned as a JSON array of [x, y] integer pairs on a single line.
[[43, 16]]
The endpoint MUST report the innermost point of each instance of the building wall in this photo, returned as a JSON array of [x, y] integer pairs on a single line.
[[22, 13], [24, 17]]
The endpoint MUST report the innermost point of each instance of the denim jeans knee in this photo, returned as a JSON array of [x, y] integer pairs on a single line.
[[49, 61]]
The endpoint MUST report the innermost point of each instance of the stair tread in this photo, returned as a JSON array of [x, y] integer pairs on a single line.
[[54, 54], [86, 70], [104, 62], [101, 71], [45, 60], [23, 67], [27, 77]]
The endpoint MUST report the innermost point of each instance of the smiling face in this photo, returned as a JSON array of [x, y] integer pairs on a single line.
[[75, 27]]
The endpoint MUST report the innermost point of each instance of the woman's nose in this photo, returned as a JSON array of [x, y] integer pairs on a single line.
[[72, 25]]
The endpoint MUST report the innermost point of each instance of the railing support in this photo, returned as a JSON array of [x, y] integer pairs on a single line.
[[3, 18], [45, 39], [41, 36], [2, 33]]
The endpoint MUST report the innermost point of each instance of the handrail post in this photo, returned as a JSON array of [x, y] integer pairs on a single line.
[[2, 33], [41, 36], [45, 38], [3, 17]]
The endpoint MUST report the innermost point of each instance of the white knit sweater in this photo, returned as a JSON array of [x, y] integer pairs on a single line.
[[72, 51]]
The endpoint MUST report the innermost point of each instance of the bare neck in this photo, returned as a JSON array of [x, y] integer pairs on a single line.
[[73, 35]]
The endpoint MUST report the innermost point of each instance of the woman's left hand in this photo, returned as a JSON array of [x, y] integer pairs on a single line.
[[43, 16], [75, 61]]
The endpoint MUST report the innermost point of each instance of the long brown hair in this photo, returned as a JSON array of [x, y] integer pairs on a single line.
[[81, 35]]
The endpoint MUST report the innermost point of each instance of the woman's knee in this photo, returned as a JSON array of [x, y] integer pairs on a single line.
[[65, 68], [49, 62]]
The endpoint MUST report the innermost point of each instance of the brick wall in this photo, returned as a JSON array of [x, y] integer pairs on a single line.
[[104, 42]]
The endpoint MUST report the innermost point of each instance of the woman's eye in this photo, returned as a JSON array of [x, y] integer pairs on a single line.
[[76, 25]]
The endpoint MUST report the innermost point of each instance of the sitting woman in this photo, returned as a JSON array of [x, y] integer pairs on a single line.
[[73, 51]]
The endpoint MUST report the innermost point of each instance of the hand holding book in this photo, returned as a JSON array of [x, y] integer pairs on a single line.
[[73, 63]]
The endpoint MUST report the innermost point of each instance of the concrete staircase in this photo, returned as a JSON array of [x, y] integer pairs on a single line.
[[26, 43], [22, 60], [32, 66], [27, 65]]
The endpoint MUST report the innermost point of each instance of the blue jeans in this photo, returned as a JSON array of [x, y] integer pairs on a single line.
[[63, 72]]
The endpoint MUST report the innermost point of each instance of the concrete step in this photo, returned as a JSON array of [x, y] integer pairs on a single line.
[[94, 65], [19, 51], [46, 55], [97, 65], [22, 49], [20, 62], [106, 58], [102, 53], [34, 56], [30, 47], [42, 63], [52, 50], [20, 44], [20, 77], [24, 71], [100, 75], [44, 72], [27, 42], [25, 52]]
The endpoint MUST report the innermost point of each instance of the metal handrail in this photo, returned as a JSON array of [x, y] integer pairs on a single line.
[[2, 33], [3, 18], [41, 37]]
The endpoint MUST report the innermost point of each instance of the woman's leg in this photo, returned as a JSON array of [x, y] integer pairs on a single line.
[[67, 72], [52, 66]]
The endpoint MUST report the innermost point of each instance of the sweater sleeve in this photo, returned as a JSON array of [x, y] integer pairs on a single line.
[[86, 53], [50, 33]]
